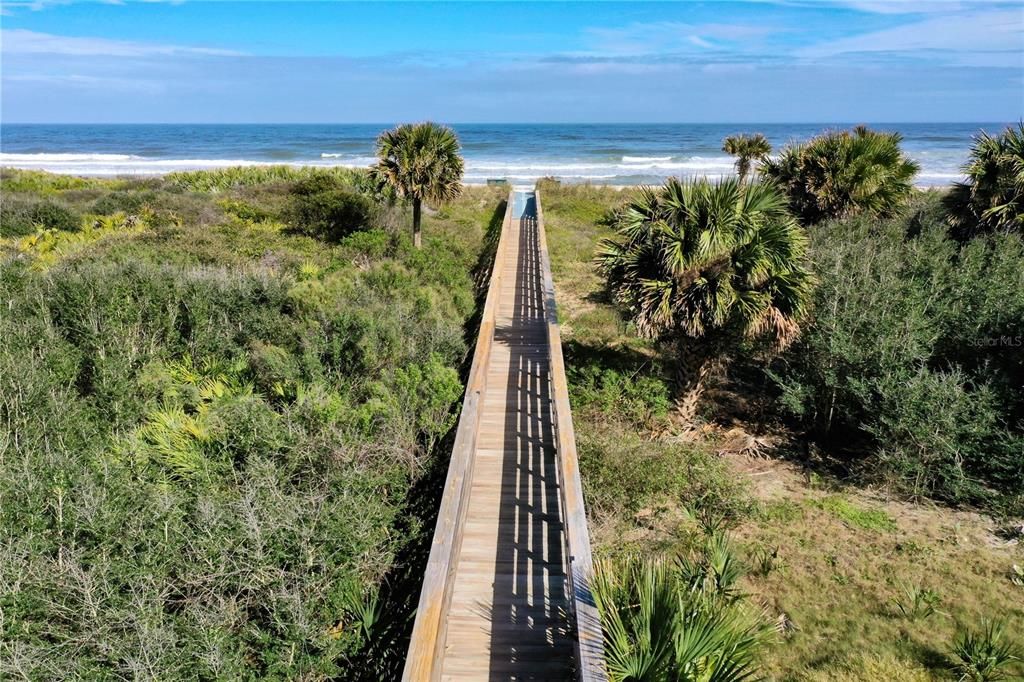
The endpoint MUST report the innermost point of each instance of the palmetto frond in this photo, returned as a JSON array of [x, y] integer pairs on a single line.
[[992, 198], [420, 161], [696, 257], [679, 620], [842, 173]]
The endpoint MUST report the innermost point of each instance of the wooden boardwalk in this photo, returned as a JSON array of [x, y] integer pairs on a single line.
[[498, 600]]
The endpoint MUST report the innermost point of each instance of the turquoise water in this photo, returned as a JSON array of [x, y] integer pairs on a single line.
[[622, 154]]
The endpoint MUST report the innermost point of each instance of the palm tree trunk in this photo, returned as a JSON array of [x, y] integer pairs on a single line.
[[743, 166], [693, 366], [417, 237]]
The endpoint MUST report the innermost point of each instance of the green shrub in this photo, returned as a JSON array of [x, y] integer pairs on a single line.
[[843, 173], [40, 182], [186, 486], [624, 473], [19, 217], [638, 398], [992, 198], [943, 436], [374, 244], [905, 357], [123, 202], [330, 214]]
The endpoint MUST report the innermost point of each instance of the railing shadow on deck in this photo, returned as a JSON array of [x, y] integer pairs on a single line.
[[529, 559]]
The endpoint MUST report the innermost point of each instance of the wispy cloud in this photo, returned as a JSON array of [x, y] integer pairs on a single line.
[[22, 41], [89, 82], [884, 6], [903, 6], [8, 7], [980, 38], [661, 36]]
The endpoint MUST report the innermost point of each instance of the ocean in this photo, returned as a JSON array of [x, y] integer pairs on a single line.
[[620, 154]]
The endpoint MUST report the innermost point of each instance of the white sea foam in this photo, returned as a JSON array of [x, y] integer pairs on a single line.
[[630, 170], [10, 159]]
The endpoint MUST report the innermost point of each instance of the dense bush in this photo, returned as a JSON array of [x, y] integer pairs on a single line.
[[915, 351], [331, 213], [207, 436], [843, 173], [992, 198], [123, 202], [19, 216]]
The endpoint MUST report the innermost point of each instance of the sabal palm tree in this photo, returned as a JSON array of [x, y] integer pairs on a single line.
[[992, 198], [700, 265], [747, 149], [843, 173], [421, 162]]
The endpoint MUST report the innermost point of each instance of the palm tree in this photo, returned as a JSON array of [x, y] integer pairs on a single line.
[[700, 265], [992, 199], [421, 162], [747, 149], [843, 173]]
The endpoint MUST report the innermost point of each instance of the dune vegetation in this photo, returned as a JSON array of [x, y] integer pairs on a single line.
[[225, 399], [862, 487], [222, 400]]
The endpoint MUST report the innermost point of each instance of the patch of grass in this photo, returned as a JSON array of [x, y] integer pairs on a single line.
[[856, 515], [780, 511], [223, 179], [42, 183]]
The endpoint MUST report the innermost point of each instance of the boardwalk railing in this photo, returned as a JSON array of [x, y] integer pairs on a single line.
[[589, 643], [427, 647]]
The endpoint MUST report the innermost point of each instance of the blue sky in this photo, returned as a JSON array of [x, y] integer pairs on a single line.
[[757, 61]]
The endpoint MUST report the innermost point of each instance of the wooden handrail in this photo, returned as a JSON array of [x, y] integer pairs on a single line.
[[426, 647], [590, 665]]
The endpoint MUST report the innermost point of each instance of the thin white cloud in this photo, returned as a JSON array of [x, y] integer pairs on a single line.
[[90, 82], [7, 7], [981, 38], [22, 41], [883, 6], [662, 36], [902, 6]]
